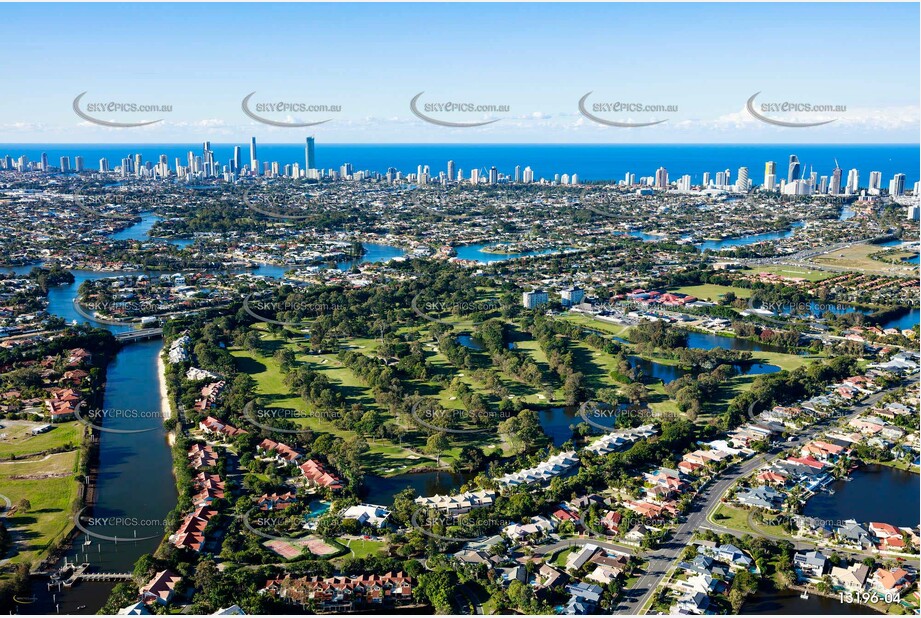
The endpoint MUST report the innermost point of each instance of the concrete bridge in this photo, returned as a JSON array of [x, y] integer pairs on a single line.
[[139, 335]]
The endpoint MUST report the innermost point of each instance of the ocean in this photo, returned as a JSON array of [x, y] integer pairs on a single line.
[[590, 162]]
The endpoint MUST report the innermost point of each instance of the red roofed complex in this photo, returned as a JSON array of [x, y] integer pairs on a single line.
[[281, 451], [344, 594], [317, 474]]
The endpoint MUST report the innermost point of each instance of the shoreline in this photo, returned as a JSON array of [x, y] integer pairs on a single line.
[[165, 408]]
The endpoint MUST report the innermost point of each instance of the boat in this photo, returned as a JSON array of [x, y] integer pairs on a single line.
[[804, 596]]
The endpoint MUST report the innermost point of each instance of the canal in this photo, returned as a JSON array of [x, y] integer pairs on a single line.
[[873, 493]]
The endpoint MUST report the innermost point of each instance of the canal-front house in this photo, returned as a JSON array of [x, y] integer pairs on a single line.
[[160, 589], [852, 578], [810, 565], [191, 534], [890, 582]]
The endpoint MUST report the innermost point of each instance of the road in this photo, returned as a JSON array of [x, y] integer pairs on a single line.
[[663, 559]]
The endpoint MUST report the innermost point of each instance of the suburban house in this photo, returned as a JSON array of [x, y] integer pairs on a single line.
[[852, 578], [160, 589], [810, 565]]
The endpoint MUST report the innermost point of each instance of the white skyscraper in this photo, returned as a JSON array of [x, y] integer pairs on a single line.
[[253, 159], [706, 182], [742, 182], [897, 185], [835, 187], [661, 178], [853, 180]]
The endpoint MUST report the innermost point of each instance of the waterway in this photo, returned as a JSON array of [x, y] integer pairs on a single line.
[[909, 319], [874, 493], [475, 253], [727, 243], [381, 490], [788, 602]]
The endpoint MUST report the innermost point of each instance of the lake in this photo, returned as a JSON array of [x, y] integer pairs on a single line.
[[381, 489]]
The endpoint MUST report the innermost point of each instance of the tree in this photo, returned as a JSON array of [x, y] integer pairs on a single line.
[[437, 588], [436, 445]]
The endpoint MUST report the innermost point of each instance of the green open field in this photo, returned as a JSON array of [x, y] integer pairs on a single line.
[[858, 257], [712, 292], [362, 548], [784, 270], [618, 330], [16, 438], [48, 483]]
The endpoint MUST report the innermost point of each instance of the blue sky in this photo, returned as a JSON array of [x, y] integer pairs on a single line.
[[537, 59]]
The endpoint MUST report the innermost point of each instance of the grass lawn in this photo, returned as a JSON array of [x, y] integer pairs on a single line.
[[736, 518], [561, 557], [795, 271], [51, 489], [362, 548], [618, 330], [858, 256], [712, 292], [660, 402], [16, 439]]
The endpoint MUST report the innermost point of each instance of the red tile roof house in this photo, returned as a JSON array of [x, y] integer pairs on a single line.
[[210, 487], [212, 425], [62, 404], [78, 356], [343, 594], [807, 461], [884, 531], [645, 509], [611, 521], [191, 534], [160, 589], [772, 478], [276, 502], [280, 451], [823, 451], [892, 543], [317, 475], [562, 515], [210, 395], [75, 376], [861, 383], [689, 467], [201, 456], [889, 582]]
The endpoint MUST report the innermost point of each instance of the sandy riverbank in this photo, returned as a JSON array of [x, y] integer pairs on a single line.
[[165, 407]]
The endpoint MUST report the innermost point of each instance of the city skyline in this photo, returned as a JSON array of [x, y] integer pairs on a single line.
[[206, 166]]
